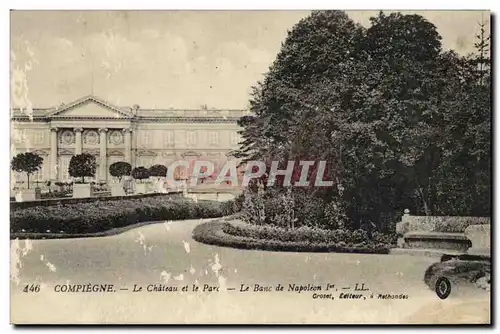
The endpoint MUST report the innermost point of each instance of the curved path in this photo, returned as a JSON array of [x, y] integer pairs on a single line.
[[165, 253]]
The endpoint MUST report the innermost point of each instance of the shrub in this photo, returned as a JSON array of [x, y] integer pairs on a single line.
[[140, 173], [158, 171], [104, 215], [120, 169], [458, 224], [220, 233]]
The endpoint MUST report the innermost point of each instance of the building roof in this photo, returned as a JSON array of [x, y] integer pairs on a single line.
[[128, 112]]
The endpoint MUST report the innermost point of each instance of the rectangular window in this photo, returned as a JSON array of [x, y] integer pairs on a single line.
[[39, 137], [63, 169], [146, 138], [145, 162], [39, 175], [235, 138], [191, 138], [168, 139], [213, 137]]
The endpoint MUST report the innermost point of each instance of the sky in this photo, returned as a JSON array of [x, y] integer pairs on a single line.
[[166, 59]]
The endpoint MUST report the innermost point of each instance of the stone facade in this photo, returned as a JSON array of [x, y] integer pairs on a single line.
[[142, 137]]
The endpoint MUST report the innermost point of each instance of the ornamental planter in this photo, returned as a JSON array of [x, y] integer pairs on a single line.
[[25, 195], [160, 187], [117, 190], [141, 188], [82, 190]]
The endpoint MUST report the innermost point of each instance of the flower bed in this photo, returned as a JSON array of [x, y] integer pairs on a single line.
[[304, 239], [101, 216]]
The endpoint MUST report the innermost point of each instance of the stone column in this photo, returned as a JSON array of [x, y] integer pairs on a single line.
[[127, 137], [78, 140], [103, 173], [53, 154]]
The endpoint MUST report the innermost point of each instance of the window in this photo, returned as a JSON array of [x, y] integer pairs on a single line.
[[191, 138], [146, 138], [39, 137], [213, 137], [235, 138], [145, 162], [63, 168], [19, 136], [168, 139]]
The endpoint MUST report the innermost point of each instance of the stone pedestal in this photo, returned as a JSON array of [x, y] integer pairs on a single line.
[[117, 190], [25, 195], [82, 190], [141, 188], [480, 237], [160, 187]]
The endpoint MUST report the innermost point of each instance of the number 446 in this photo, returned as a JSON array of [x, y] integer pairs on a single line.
[[32, 288]]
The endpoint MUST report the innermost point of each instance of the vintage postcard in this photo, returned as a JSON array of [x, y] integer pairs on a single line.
[[250, 167]]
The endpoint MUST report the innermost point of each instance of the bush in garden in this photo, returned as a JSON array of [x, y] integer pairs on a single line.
[[120, 169], [27, 162], [104, 215], [297, 240], [335, 215], [254, 210], [82, 165], [158, 171], [140, 173]]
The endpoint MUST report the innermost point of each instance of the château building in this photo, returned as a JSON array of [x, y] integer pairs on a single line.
[[142, 137]]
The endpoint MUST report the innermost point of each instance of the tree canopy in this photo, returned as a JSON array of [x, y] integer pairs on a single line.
[[82, 165], [120, 169], [158, 171], [401, 123], [27, 162], [140, 173]]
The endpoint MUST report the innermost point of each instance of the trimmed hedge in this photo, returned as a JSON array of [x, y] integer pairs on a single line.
[[459, 224], [101, 216], [220, 233]]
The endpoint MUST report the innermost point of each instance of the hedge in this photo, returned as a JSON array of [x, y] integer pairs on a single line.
[[101, 216], [219, 233], [459, 224]]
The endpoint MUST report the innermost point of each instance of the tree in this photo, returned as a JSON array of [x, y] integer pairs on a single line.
[[120, 169], [27, 162], [82, 165], [383, 106], [158, 171], [140, 173]]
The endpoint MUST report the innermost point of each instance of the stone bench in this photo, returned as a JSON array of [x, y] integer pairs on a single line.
[[480, 237], [437, 240]]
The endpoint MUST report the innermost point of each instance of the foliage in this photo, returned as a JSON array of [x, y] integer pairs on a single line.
[[57, 194], [401, 124], [277, 239], [104, 215], [254, 207], [120, 169], [27, 162], [82, 165], [458, 224], [140, 173], [158, 171]]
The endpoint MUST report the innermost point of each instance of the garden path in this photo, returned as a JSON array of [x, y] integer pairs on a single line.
[[165, 253]]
